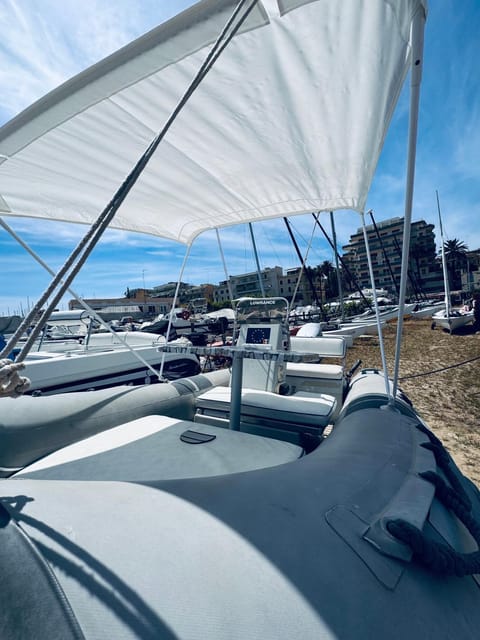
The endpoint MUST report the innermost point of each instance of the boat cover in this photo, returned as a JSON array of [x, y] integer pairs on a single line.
[[291, 119]]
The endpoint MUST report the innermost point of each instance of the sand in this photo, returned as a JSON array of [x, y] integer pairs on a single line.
[[446, 396]]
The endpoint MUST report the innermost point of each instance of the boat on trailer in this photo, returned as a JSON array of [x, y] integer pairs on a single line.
[[283, 497]]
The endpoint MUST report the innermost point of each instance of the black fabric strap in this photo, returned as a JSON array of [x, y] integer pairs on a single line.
[[436, 556]]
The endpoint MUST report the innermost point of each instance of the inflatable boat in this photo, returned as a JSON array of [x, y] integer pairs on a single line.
[[283, 497]]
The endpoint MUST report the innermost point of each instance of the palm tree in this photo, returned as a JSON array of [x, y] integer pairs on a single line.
[[456, 257], [327, 274]]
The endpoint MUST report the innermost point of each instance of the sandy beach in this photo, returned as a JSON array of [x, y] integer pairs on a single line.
[[440, 373]]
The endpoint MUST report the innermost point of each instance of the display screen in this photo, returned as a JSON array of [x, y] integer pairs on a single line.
[[258, 335]]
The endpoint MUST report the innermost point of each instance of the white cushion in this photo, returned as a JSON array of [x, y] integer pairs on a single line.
[[320, 405], [314, 370], [332, 347]]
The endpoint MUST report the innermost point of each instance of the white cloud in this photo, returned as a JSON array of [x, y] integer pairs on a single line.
[[46, 42]]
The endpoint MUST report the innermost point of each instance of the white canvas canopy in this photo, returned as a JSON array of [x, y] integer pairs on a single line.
[[290, 119]]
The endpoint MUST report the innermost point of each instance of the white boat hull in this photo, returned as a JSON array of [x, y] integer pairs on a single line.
[[102, 367], [426, 311], [452, 322]]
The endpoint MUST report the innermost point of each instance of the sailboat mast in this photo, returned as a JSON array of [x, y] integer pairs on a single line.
[[410, 275], [446, 283], [304, 266], [385, 256], [337, 267], [342, 261], [257, 262]]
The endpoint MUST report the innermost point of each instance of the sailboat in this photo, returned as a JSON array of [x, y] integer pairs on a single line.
[[280, 498], [448, 318]]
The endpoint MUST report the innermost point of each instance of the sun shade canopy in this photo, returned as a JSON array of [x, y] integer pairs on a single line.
[[291, 119]]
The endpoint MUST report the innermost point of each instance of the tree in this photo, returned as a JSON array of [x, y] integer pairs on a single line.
[[311, 276], [329, 275], [456, 258]]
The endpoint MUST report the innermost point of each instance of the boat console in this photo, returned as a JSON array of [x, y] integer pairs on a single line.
[[258, 399], [264, 374]]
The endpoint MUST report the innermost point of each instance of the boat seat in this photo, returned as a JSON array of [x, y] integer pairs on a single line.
[[314, 370], [319, 376], [324, 346], [161, 448], [299, 411], [262, 408]]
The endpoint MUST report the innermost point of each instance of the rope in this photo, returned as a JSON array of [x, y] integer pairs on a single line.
[[436, 556], [451, 366], [443, 460], [11, 383]]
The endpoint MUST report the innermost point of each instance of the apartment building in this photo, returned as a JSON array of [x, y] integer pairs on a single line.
[[385, 240]]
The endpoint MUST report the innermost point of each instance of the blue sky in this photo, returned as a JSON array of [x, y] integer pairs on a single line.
[[44, 42]]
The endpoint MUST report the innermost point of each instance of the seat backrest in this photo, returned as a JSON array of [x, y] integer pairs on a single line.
[[324, 347]]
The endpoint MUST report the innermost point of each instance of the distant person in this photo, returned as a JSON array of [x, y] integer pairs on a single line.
[[476, 311]]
